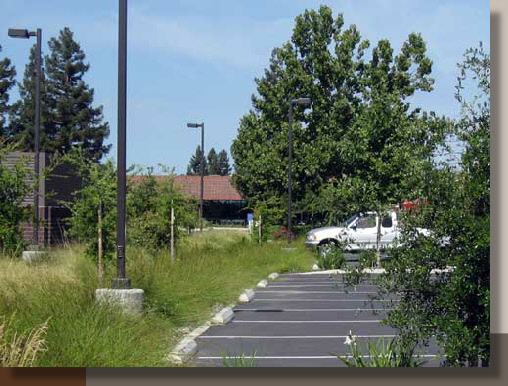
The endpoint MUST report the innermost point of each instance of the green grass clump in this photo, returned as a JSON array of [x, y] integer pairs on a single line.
[[61, 290], [334, 258], [211, 269]]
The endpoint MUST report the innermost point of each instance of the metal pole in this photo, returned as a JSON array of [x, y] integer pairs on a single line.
[[202, 172], [36, 134], [290, 159], [172, 240], [121, 281]]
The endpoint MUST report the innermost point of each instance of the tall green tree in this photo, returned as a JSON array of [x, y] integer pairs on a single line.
[[21, 129], [213, 162], [454, 306], [360, 130], [194, 167], [224, 168], [74, 120], [7, 81]]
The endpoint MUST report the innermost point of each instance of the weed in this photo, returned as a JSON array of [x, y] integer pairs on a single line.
[[395, 353], [238, 360], [20, 350]]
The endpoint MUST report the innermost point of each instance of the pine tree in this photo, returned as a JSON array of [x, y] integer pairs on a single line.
[[224, 168], [75, 122], [194, 167], [7, 74], [22, 114], [213, 162]]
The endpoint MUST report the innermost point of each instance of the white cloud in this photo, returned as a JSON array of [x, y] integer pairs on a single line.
[[243, 45]]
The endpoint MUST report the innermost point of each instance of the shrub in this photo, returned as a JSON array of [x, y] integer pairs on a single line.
[[13, 189], [334, 258]]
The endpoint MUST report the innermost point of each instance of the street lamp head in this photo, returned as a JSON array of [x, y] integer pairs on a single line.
[[194, 125], [302, 101], [19, 33]]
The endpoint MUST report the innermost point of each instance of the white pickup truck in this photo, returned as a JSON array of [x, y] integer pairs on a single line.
[[359, 232]]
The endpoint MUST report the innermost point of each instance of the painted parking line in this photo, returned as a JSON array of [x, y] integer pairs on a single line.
[[313, 309], [318, 285], [311, 292], [305, 321], [323, 300], [314, 357], [291, 336]]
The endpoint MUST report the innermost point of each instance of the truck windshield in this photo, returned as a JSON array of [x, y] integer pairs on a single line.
[[349, 221]]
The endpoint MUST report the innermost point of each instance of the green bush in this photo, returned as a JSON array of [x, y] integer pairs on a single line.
[[334, 258], [149, 203], [13, 189]]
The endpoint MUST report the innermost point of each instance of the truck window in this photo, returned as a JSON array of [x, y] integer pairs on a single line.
[[368, 221], [387, 222]]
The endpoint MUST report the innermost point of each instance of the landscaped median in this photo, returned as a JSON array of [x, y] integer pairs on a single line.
[[211, 271]]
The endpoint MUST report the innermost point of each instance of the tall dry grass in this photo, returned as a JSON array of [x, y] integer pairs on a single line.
[[21, 350], [211, 270]]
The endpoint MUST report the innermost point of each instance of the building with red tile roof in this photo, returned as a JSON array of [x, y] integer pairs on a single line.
[[216, 188]]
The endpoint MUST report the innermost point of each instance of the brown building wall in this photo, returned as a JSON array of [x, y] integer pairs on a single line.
[[55, 188]]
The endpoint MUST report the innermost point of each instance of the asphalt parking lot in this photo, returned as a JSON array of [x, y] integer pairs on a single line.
[[301, 320]]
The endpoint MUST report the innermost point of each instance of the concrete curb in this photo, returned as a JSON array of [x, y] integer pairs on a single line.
[[262, 284], [246, 296], [223, 316], [184, 350], [187, 347]]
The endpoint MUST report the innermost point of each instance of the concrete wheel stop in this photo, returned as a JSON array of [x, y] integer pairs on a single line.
[[262, 284], [246, 296], [223, 316]]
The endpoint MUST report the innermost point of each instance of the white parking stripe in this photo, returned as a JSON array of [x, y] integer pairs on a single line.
[[315, 285], [313, 310], [317, 357], [306, 321], [313, 292], [321, 300], [290, 336]]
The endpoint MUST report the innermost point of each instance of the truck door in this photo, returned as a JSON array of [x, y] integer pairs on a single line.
[[366, 229], [388, 230]]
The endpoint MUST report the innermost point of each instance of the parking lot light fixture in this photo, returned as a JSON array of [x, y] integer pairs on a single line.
[[202, 125], [25, 34], [301, 102]]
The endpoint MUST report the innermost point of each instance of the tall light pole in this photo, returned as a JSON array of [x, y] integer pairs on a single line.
[[121, 282], [202, 125], [301, 102], [25, 34]]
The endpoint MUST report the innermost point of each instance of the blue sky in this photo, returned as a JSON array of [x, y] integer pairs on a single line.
[[196, 60]]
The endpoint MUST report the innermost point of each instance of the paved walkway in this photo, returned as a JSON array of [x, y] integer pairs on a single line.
[[300, 320]]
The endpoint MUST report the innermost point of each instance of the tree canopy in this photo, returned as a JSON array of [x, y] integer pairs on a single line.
[[7, 74], [360, 130], [68, 117], [214, 164]]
